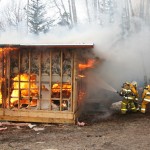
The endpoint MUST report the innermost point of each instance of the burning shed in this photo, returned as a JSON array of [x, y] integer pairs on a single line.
[[43, 83]]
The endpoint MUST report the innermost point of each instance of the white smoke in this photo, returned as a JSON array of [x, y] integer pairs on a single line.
[[126, 58]]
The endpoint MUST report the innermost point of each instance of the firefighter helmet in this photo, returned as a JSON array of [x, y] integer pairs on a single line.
[[125, 84], [134, 83], [147, 87]]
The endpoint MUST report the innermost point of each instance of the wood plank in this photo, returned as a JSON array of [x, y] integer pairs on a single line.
[[75, 72], [9, 80], [19, 89], [29, 79], [36, 116], [1, 111], [39, 113], [39, 120], [61, 78], [50, 80], [40, 74]]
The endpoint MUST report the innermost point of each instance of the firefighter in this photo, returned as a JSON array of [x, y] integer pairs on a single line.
[[136, 95], [145, 98], [130, 97]]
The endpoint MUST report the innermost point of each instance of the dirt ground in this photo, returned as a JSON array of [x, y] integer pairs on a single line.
[[102, 131]]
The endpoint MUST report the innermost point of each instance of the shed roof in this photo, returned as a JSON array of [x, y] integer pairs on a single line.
[[82, 45]]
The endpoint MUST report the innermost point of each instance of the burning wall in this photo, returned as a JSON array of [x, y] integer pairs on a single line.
[[44, 75], [43, 78]]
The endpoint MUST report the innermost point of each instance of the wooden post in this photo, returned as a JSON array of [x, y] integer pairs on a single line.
[[2, 86], [40, 96], [19, 90], [72, 79], [61, 78], [29, 79], [9, 80], [75, 78], [50, 82]]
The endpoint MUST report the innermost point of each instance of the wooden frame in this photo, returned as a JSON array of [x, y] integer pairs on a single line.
[[12, 113]]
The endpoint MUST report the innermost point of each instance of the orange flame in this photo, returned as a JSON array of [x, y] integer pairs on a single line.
[[0, 90], [56, 87], [89, 64], [66, 90], [0, 98], [23, 85], [7, 49], [81, 76], [64, 104]]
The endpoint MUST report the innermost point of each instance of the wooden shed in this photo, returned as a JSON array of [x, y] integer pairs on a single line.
[[42, 83]]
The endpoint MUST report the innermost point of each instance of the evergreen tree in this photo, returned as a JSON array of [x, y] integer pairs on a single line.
[[37, 22]]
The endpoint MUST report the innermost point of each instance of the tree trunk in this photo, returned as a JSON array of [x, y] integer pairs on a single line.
[[147, 15], [70, 12], [74, 13], [95, 10], [142, 9], [27, 16], [88, 13]]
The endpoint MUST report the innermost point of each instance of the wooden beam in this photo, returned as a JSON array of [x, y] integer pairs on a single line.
[[39, 116], [76, 46]]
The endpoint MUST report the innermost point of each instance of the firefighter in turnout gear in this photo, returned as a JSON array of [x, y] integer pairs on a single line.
[[135, 91], [145, 98], [130, 97]]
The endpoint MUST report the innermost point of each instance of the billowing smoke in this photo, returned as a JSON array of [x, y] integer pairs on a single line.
[[126, 59]]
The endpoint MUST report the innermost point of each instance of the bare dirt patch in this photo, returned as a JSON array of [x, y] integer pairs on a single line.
[[102, 131]]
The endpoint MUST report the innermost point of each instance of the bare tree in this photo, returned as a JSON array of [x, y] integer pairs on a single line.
[[66, 10], [70, 12], [65, 19], [87, 9], [142, 9], [147, 13], [13, 14], [95, 9], [2, 26], [74, 13]]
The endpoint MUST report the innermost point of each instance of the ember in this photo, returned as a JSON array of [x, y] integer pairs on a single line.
[[64, 105], [81, 76]]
